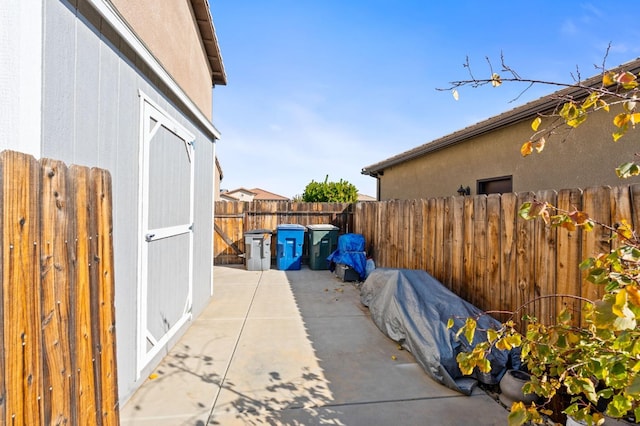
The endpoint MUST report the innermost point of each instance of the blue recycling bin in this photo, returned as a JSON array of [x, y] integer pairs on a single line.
[[290, 241]]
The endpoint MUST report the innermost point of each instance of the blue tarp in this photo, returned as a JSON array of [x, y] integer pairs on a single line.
[[351, 252]]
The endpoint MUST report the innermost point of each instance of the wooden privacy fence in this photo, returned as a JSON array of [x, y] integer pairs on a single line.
[[234, 218], [58, 363], [483, 251]]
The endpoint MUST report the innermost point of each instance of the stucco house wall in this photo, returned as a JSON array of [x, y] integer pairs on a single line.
[[584, 157], [105, 101], [167, 28]]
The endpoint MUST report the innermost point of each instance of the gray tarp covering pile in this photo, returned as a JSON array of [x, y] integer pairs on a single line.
[[412, 308]]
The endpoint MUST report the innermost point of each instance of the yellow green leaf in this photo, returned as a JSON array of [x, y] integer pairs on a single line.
[[620, 303], [634, 386], [536, 123], [635, 118], [526, 148], [450, 323], [484, 365], [518, 414], [503, 344], [604, 105], [492, 335], [564, 317], [608, 79], [470, 329], [578, 119], [617, 135], [591, 100], [627, 170], [634, 294], [624, 229], [621, 119]]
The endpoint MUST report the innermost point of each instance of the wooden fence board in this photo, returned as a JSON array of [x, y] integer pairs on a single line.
[[457, 249], [493, 252], [21, 322], [383, 232], [597, 202], [411, 235], [508, 255], [620, 209], [468, 257], [103, 261], [568, 276], [84, 367], [525, 266], [480, 252], [56, 296], [432, 235], [447, 261], [545, 265], [421, 243], [438, 267], [634, 191], [392, 230]]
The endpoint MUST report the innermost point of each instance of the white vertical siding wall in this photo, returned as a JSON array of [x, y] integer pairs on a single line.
[[20, 75], [90, 116]]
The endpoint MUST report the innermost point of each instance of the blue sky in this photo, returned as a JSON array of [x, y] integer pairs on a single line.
[[327, 87]]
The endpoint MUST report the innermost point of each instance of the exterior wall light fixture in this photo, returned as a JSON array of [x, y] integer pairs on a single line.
[[464, 191]]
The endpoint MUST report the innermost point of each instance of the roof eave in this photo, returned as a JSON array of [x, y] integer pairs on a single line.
[[210, 41], [526, 111]]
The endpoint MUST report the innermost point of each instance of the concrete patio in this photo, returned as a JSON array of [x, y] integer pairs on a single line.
[[295, 348]]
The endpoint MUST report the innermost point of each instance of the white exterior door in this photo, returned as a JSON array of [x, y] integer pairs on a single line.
[[166, 224]]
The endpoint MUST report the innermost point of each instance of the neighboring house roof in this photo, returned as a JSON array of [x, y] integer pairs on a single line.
[[526, 111], [210, 40], [225, 197], [261, 194], [243, 194], [238, 194], [364, 197]]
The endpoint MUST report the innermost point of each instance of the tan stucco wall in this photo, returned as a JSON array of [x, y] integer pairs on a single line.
[[588, 157], [170, 31]]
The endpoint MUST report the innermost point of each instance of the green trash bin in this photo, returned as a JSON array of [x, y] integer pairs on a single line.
[[323, 240]]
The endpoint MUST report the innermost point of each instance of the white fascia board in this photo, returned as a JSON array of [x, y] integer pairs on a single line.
[[107, 11]]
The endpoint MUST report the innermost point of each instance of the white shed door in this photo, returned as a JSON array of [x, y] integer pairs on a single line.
[[166, 221]]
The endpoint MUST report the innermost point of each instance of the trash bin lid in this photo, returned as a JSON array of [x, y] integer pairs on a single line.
[[322, 227], [259, 231], [291, 226]]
